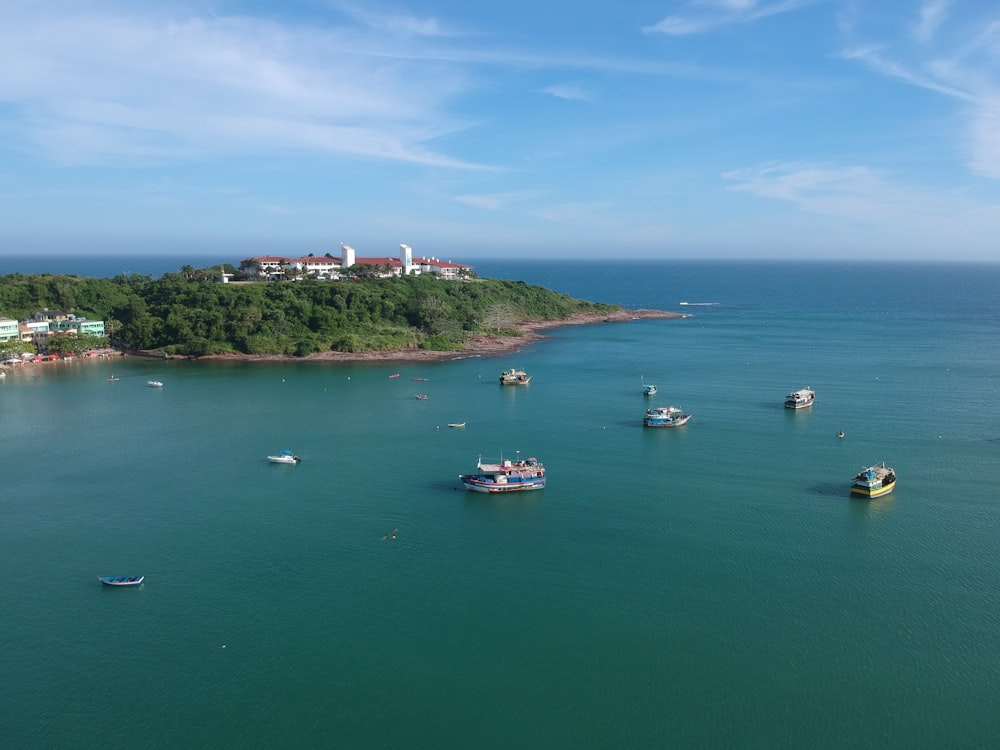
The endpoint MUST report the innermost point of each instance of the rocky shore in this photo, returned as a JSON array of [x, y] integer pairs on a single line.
[[479, 346]]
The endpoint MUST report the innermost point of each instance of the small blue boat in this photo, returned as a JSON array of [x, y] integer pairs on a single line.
[[121, 580]]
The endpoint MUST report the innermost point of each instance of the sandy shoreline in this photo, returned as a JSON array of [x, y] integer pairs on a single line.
[[478, 346]]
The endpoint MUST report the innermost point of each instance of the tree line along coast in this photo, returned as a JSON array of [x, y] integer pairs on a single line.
[[192, 314]]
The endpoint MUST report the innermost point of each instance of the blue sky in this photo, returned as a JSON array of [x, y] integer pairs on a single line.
[[696, 129]]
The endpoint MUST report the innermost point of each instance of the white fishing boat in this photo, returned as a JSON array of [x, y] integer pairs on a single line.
[[514, 377], [800, 399], [665, 416], [505, 476], [285, 457]]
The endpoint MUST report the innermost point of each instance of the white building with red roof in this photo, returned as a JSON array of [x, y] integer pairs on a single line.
[[329, 267]]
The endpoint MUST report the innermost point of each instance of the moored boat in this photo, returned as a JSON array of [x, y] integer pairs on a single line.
[[285, 457], [665, 416], [505, 476], [121, 580], [154, 383], [874, 481], [456, 424], [421, 396], [514, 377], [649, 390], [800, 399]]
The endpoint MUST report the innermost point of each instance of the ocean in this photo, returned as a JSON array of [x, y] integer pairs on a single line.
[[713, 585]]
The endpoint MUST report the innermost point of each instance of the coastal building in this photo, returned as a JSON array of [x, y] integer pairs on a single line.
[[46, 323], [276, 267], [9, 329], [35, 331], [59, 321], [50, 316]]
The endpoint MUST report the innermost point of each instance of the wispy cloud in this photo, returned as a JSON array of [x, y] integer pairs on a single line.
[[859, 195], [932, 15], [103, 89], [570, 91], [396, 23], [497, 201], [966, 72], [706, 15]]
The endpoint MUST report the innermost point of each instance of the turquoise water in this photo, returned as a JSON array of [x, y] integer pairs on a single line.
[[710, 586]]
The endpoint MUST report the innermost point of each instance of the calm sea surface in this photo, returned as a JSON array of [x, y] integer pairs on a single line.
[[709, 586]]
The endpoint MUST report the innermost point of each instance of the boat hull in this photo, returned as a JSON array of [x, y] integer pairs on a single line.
[[679, 422], [665, 416], [121, 581], [873, 491], [487, 484]]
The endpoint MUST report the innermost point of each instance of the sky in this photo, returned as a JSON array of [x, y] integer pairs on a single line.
[[779, 129]]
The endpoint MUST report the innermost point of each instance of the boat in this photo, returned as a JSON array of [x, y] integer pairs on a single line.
[[665, 416], [394, 375], [874, 481], [419, 380], [456, 424], [422, 396], [514, 377], [113, 379], [154, 383], [649, 390], [800, 399], [285, 457], [121, 580], [505, 476]]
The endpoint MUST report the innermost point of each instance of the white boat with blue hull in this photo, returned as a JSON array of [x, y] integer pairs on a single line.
[[505, 476], [665, 416]]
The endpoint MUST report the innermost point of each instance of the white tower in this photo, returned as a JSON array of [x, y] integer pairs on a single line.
[[406, 258], [347, 258]]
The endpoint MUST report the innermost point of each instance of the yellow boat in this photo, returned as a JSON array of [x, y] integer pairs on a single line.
[[874, 481]]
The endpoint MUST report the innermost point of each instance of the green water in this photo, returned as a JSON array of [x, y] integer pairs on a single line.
[[710, 586]]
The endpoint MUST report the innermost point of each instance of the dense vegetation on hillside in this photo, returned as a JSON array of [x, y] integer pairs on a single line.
[[185, 314]]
